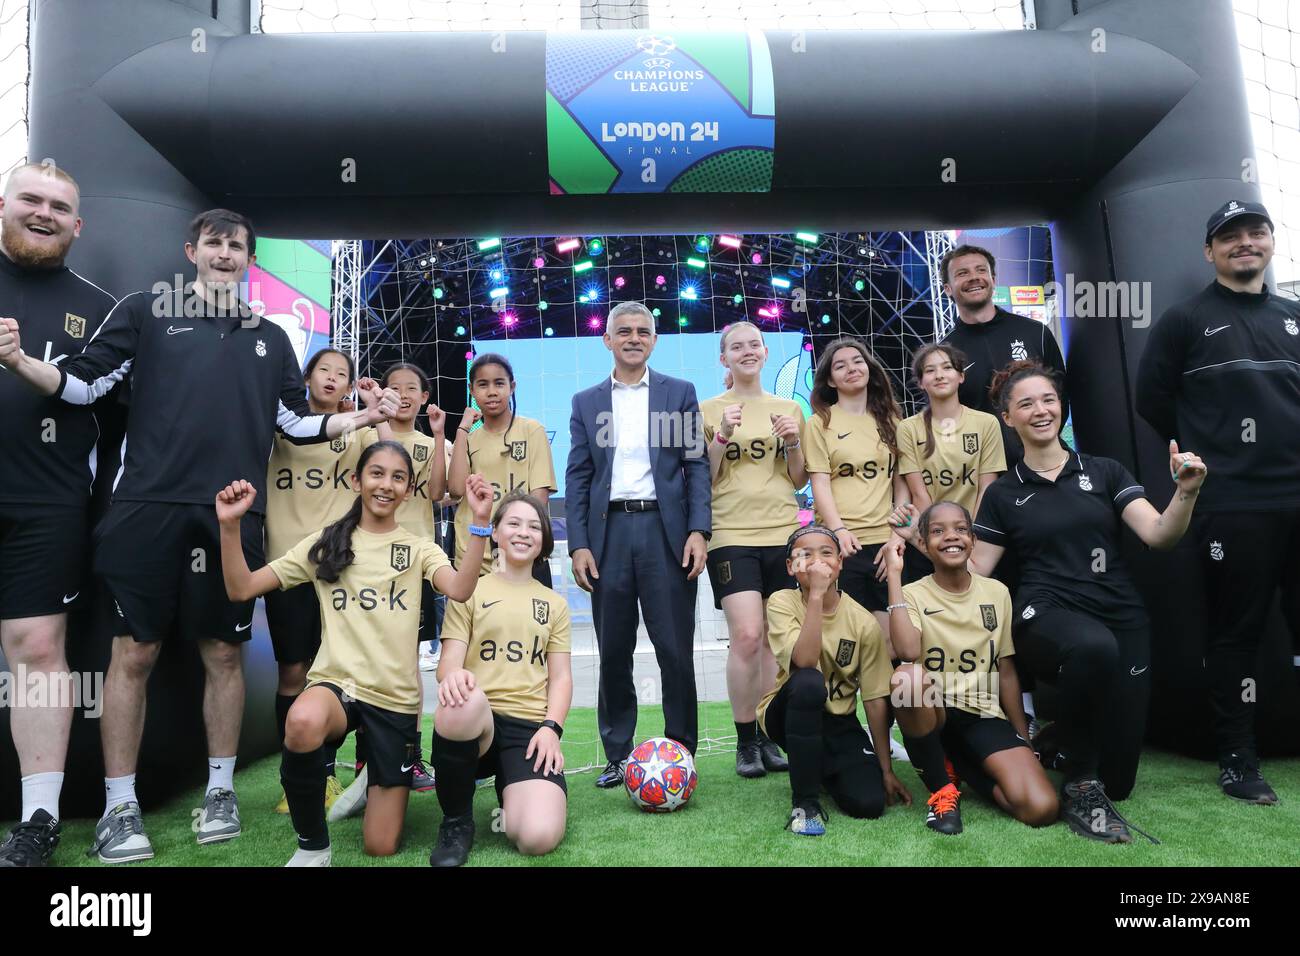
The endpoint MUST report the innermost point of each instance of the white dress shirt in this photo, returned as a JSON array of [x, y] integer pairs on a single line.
[[631, 478]]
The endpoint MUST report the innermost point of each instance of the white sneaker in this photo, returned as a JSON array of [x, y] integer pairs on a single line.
[[220, 818], [897, 751], [310, 858], [120, 836], [352, 800], [429, 662]]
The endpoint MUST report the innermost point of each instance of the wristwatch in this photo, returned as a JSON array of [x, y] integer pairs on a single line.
[[559, 731]]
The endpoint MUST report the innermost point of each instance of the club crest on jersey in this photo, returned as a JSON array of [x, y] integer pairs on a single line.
[[1290, 327], [420, 453], [724, 572], [75, 325], [339, 445], [970, 442], [1028, 612], [1018, 351], [518, 450], [1085, 483], [844, 656], [1216, 550], [400, 557], [260, 348], [541, 611], [989, 617]]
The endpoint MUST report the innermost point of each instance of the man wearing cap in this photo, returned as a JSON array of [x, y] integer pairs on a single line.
[[1221, 374]]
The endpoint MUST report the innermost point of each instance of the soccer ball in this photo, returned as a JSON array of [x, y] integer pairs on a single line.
[[660, 775]]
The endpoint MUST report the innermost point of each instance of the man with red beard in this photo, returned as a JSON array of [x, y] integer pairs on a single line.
[[48, 468]]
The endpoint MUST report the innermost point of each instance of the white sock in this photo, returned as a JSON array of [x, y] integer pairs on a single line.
[[1027, 700], [41, 792], [119, 790], [221, 773]]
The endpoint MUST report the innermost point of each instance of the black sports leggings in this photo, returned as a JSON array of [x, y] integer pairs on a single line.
[[824, 750], [1103, 675]]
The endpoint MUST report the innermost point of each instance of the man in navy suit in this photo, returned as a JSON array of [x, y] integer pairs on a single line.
[[637, 499]]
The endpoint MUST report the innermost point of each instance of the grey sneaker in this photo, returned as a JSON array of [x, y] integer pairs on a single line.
[[120, 837], [220, 818]]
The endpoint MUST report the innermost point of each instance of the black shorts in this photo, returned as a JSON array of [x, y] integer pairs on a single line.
[[293, 617], [432, 608], [736, 568], [915, 565], [392, 739], [975, 738], [858, 579], [505, 757], [42, 560], [162, 565]]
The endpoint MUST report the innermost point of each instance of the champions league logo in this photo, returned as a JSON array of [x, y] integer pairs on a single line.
[[658, 49]]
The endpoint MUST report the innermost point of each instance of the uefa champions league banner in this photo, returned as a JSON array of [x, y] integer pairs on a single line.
[[630, 112]]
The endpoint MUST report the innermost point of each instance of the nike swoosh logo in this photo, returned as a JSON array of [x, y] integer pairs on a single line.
[[1210, 332], [407, 766], [172, 330], [845, 435], [1135, 672], [920, 442], [69, 600], [243, 627], [1021, 501], [935, 611], [488, 604], [213, 766]]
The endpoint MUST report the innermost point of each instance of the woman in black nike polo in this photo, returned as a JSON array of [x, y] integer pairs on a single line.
[[1079, 622]]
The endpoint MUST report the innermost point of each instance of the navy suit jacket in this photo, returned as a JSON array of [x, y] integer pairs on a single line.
[[679, 462]]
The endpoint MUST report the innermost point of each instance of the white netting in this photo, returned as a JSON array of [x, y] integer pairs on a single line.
[[13, 84]]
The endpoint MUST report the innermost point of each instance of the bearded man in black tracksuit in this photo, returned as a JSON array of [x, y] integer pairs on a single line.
[[1221, 373]]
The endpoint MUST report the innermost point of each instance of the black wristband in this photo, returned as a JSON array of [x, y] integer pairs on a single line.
[[559, 731]]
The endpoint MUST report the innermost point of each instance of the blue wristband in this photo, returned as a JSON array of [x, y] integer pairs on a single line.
[[481, 531]]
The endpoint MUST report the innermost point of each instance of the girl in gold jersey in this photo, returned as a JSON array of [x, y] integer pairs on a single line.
[[756, 462], [958, 704], [853, 464], [512, 452], [504, 692], [366, 570], [308, 487]]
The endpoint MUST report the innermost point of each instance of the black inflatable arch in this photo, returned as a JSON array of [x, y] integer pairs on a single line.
[[1124, 146]]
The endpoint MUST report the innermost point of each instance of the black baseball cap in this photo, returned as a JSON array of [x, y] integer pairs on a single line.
[[1232, 210]]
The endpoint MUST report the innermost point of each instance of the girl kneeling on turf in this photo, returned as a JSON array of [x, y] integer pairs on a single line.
[[367, 571], [960, 699], [503, 694], [829, 650]]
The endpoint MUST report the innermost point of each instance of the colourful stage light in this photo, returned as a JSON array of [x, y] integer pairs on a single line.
[[567, 245], [550, 331], [595, 247], [731, 242], [538, 262], [496, 275], [682, 321], [583, 297], [859, 285], [767, 313], [619, 282], [594, 322], [809, 238], [655, 313], [438, 293], [660, 280], [583, 266], [780, 283], [696, 263], [757, 259], [737, 298], [499, 292], [593, 293], [807, 346], [508, 319], [703, 243], [826, 320], [485, 244], [469, 356], [460, 330], [543, 305], [689, 292]]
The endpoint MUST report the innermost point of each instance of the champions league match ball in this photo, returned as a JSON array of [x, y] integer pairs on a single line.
[[660, 775]]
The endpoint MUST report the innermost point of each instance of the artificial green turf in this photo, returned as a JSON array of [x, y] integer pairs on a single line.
[[735, 822]]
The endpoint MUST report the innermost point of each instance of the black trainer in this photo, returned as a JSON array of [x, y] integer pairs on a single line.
[[944, 813], [612, 775], [1089, 812], [1239, 777], [1043, 741], [749, 760], [31, 843], [773, 760], [455, 840]]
